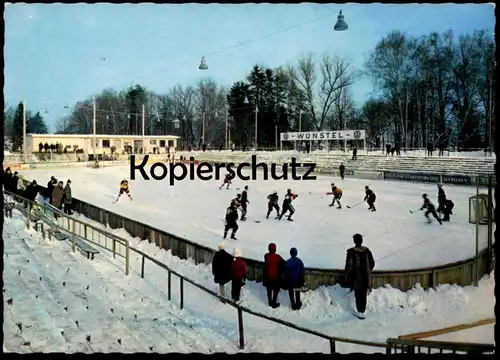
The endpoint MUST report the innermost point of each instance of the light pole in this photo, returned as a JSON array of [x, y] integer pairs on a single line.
[[203, 127], [143, 111], [25, 155], [94, 124], [226, 133], [176, 123], [256, 113]]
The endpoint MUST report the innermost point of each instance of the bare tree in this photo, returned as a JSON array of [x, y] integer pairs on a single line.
[[318, 97], [210, 106]]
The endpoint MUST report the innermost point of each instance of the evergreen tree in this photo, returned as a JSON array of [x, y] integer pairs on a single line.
[[17, 128], [36, 124]]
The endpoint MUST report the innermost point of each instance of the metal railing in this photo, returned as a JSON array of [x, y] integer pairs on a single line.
[[76, 228], [408, 346]]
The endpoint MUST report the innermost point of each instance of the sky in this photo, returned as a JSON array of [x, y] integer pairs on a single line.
[[57, 54]]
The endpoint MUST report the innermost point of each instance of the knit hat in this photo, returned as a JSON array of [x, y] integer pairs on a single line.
[[237, 252], [293, 252], [272, 248], [221, 246]]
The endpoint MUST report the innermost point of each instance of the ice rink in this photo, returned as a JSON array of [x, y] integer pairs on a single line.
[[195, 210]]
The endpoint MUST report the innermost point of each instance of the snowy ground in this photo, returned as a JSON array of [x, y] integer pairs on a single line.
[[195, 210], [205, 324]]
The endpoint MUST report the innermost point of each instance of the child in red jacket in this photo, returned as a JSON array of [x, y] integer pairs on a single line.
[[274, 266], [239, 275]]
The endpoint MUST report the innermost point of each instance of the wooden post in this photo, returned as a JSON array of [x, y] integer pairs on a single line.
[[489, 267], [85, 231], [169, 285], [332, 346], [127, 256], [28, 211], [73, 236], [142, 267], [240, 329], [182, 293], [114, 248]]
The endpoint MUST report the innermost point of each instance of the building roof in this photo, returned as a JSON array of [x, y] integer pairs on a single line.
[[138, 137]]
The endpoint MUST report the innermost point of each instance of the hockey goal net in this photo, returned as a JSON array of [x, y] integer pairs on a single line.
[[478, 209]]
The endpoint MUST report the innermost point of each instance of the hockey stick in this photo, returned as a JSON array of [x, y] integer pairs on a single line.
[[414, 211], [350, 207]]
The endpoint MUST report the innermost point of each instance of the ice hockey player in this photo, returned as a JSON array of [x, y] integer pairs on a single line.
[[227, 181], [231, 217], [287, 205], [237, 201], [124, 188], [244, 202], [337, 195], [273, 204], [342, 170], [370, 198], [430, 209], [443, 203]]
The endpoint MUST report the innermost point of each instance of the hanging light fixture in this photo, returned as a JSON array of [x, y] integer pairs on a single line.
[[203, 65], [341, 25], [246, 102]]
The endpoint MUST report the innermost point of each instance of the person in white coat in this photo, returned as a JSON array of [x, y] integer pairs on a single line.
[[20, 184]]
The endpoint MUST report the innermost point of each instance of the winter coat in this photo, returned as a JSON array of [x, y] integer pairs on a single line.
[[20, 183], [239, 269], [294, 271], [274, 265], [222, 267], [50, 187], [57, 196], [441, 197], [359, 264], [67, 195], [31, 191]]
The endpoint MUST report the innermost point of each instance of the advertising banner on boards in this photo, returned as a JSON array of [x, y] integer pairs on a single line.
[[324, 135]]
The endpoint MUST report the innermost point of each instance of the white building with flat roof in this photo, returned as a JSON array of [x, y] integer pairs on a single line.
[[103, 143]]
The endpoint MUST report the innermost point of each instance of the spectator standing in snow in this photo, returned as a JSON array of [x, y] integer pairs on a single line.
[[67, 199], [354, 153], [50, 187], [57, 196], [359, 264], [222, 268], [20, 184], [274, 266], [294, 278], [239, 270]]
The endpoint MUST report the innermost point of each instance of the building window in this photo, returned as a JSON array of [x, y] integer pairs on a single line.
[[162, 143], [75, 146], [97, 143], [171, 143], [106, 144], [152, 142]]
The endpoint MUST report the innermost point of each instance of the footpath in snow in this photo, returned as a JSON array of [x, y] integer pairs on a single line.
[[328, 310]]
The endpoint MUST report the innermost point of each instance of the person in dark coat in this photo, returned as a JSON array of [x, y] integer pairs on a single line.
[[8, 179], [239, 271], [67, 198], [359, 264], [354, 153], [50, 187], [244, 202], [342, 170], [443, 203], [274, 267], [15, 181], [430, 148], [387, 149], [222, 268], [31, 191], [294, 278]]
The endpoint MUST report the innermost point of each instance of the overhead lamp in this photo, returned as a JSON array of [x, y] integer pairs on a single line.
[[176, 123], [203, 64], [246, 101], [341, 25]]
